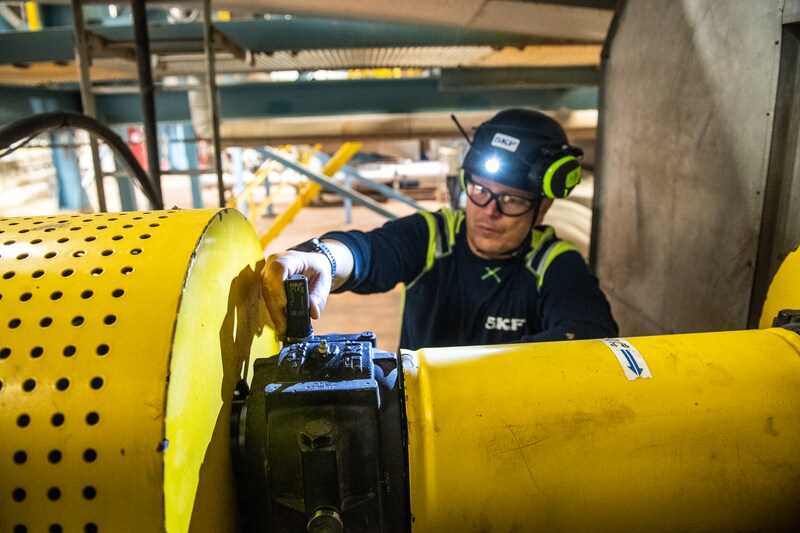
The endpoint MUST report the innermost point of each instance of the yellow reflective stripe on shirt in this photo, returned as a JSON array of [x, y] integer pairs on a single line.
[[453, 219], [430, 219], [436, 248], [539, 237], [545, 247], [553, 251]]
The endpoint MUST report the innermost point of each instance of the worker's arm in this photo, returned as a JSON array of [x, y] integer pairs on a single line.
[[572, 305], [366, 263], [316, 267]]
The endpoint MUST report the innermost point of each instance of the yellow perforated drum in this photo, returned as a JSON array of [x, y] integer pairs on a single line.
[[122, 336]]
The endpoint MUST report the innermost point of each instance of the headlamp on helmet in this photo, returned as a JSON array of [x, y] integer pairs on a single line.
[[492, 165]]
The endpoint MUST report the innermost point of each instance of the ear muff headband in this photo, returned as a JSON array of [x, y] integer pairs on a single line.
[[561, 177], [463, 181]]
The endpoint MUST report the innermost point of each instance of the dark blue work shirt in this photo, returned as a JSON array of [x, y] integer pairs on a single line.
[[455, 298]]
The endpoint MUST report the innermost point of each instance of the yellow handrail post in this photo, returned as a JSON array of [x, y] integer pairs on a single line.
[[260, 176], [32, 13], [307, 193]]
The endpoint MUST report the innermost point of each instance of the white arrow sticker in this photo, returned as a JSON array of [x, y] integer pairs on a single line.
[[631, 361]]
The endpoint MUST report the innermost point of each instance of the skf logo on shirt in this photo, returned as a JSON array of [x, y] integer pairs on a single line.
[[504, 324], [506, 142]]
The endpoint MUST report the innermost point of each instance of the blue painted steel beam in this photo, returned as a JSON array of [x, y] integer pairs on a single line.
[[408, 95], [316, 98], [54, 15], [127, 193], [324, 33], [22, 102], [68, 175], [459, 79], [270, 35], [273, 35], [171, 106], [48, 45], [326, 98]]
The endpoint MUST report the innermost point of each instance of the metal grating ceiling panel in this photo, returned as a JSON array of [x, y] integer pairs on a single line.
[[117, 69], [37, 74], [406, 57]]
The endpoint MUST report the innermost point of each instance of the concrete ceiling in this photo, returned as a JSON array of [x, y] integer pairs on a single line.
[[533, 35], [577, 29], [403, 33], [565, 20]]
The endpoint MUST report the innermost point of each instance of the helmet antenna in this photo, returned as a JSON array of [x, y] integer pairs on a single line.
[[461, 129]]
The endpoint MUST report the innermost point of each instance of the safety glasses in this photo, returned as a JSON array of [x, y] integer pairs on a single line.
[[510, 205]]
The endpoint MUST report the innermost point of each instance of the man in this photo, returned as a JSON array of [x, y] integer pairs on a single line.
[[491, 274]]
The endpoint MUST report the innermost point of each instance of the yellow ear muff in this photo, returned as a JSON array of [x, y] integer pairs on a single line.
[[561, 177]]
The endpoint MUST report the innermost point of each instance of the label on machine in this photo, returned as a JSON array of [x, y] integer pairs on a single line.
[[631, 361]]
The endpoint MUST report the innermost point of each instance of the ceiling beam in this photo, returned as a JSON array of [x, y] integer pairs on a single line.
[[328, 98], [580, 126], [518, 78], [577, 21], [260, 36]]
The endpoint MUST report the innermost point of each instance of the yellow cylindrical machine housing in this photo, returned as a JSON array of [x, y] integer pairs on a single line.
[[122, 336], [784, 290], [556, 437]]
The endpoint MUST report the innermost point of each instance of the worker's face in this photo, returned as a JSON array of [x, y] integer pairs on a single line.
[[490, 233]]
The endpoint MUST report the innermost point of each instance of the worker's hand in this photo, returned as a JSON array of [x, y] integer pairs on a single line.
[[314, 266]]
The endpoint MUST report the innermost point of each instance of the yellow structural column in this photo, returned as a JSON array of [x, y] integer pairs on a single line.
[[307, 193]]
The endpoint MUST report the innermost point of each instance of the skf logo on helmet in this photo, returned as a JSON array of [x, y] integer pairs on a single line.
[[506, 142]]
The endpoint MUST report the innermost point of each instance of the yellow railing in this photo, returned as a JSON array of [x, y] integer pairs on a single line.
[[248, 194], [32, 14], [308, 191]]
